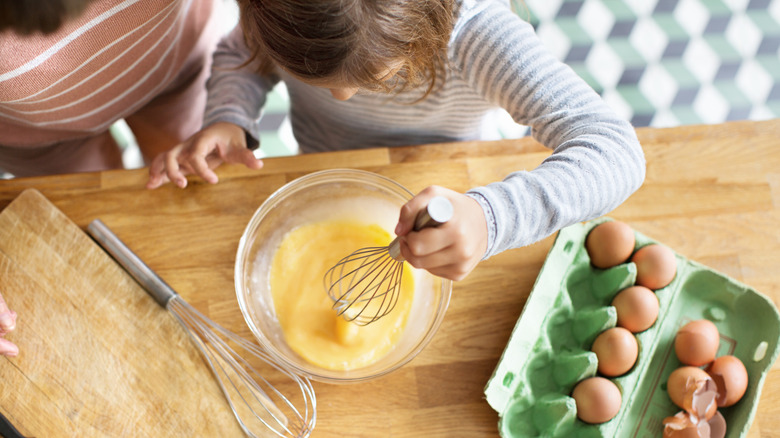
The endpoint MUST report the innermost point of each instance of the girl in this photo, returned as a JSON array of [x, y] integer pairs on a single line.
[[369, 73]]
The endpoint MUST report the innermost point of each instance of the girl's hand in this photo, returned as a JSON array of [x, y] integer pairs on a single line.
[[204, 151], [452, 249], [7, 323]]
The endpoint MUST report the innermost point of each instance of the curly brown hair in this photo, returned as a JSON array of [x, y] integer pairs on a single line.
[[351, 41]]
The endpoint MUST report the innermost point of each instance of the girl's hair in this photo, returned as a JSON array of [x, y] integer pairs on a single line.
[[351, 41]]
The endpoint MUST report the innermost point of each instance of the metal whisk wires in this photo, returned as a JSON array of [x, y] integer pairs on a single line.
[[366, 284], [242, 368]]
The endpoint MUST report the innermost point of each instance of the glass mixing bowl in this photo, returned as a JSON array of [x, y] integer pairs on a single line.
[[339, 194]]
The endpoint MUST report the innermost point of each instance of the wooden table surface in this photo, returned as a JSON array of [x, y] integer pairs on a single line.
[[712, 193]]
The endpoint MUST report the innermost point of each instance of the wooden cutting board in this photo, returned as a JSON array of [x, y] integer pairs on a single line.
[[98, 356]]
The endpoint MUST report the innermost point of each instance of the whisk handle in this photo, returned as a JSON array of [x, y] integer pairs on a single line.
[[438, 211], [143, 274]]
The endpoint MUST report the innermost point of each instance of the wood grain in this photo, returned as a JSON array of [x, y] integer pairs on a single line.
[[712, 193], [99, 357]]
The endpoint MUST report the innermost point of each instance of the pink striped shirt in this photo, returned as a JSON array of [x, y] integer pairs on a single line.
[[104, 65]]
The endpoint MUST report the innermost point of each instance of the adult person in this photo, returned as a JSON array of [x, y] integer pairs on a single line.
[[69, 69]]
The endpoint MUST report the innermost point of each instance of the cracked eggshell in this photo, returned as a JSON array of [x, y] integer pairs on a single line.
[[684, 425], [694, 391], [731, 377]]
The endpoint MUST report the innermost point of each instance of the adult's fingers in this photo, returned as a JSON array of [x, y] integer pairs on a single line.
[[8, 348], [7, 317]]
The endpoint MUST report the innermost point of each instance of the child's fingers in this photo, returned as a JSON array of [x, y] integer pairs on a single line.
[[157, 176], [428, 241], [201, 168], [454, 272], [410, 210], [173, 170], [244, 156], [448, 263]]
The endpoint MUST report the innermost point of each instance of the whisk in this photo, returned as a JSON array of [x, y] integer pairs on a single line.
[[365, 285], [260, 408]]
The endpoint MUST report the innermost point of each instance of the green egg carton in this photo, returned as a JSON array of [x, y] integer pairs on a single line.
[[549, 350]]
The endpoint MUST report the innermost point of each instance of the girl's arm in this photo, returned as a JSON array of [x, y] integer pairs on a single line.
[[236, 95], [597, 162]]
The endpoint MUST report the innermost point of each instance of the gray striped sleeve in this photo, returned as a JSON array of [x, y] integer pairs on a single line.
[[235, 94], [597, 161]]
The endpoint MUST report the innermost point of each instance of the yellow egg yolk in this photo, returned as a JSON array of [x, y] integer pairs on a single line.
[[305, 311]]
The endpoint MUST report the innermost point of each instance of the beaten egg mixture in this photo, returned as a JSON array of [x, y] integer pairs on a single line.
[[310, 325]]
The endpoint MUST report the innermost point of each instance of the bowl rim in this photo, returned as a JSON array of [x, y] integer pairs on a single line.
[[290, 188]]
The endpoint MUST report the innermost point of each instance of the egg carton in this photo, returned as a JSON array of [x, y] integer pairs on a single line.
[[548, 352]]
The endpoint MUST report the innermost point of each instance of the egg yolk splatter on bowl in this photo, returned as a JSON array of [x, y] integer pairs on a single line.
[[305, 311]]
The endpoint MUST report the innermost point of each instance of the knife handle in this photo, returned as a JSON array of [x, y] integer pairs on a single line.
[[143, 274], [7, 430]]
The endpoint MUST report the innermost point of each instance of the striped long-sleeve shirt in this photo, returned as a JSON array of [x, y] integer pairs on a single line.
[[64, 90], [494, 60]]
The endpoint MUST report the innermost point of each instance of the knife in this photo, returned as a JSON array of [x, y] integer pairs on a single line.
[[7, 430]]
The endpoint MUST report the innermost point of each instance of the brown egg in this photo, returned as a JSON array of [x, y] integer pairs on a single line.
[[656, 266], [617, 350], [693, 390], [637, 308], [610, 244], [730, 375], [598, 400], [696, 343]]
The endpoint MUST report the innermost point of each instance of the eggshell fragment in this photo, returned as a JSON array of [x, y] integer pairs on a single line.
[[610, 244], [656, 266], [731, 377], [598, 400], [696, 343], [637, 308], [683, 425], [617, 350], [694, 391]]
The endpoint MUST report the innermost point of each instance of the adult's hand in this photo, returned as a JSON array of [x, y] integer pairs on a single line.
[[7, 323]]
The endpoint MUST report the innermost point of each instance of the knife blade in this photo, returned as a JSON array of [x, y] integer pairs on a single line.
[[7, 430]]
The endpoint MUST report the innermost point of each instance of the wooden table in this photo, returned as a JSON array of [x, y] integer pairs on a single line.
[[712, 193]]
